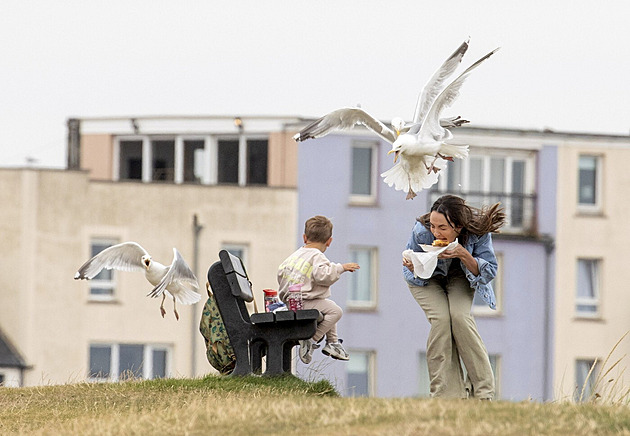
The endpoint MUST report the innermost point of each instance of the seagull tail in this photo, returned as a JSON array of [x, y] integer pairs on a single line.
[[397, 177], [452, 150], [187, 296]]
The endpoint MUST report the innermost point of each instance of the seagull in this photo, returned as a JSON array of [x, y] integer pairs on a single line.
[[422, 149], [176, 280], [348, 117]]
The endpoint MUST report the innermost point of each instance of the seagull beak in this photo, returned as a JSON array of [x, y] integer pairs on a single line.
[[396, 155], [397, 133]]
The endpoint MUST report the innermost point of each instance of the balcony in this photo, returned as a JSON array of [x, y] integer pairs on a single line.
[[520, 209]]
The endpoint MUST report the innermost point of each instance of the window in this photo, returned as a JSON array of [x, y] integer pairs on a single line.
[[194, 160], [102, 286], [360, 371], [424, 381], [489, 177], [588, 182], [364, 166], [1, 379], [113, 362], [238, 250], [587, 288], [190, 159], [479, 306], [228, 161], [130, 160], [163, 152], [257, 161], [363, 282], [585, 382]]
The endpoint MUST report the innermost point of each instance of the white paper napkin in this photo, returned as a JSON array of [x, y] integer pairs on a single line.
[[424, 262]]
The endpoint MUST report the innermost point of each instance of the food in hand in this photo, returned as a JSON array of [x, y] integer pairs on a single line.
[[440, 243]]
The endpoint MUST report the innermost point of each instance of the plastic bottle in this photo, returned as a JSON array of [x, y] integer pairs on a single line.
[[294, 298], [271, 297]]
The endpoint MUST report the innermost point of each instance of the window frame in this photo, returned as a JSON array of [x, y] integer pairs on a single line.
[[371, 370], [99, 283], [114, 364], [365, 199], [509, 157], [597, 207], [210, 160], [579, 384], [596, 300], [372, 303]]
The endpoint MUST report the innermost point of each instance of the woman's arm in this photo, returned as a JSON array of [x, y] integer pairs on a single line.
[[464, 256]]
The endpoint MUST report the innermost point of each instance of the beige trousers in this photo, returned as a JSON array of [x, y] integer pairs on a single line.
[[328, 326], [446, 302]]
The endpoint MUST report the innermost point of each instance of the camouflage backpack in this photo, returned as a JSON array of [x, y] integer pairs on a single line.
[[219, 351]]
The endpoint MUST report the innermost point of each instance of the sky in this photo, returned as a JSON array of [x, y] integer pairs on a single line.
[[563, 64]]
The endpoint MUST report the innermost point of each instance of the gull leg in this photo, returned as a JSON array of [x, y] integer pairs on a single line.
[[431, 167], [449, 158], [410, 193], [175, 309], [162, 311]]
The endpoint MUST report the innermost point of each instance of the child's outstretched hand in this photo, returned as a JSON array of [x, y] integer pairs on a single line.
[[352, 267]]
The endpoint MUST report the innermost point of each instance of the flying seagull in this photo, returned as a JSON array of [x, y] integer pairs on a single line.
[[348, 117], [176, 281], [423, 148]]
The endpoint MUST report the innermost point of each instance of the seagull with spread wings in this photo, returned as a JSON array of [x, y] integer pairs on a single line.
[[423, 148], [176, 280]]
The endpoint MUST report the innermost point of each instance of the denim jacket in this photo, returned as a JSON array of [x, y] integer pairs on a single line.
[[481, 249]]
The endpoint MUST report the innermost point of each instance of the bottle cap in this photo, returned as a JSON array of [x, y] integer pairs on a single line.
[[270, 292], [295, 288]]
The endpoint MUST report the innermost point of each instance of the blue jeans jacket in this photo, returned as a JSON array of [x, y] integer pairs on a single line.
[[481, 249]]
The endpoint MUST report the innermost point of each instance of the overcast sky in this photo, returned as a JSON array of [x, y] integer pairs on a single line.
[[563, 64]]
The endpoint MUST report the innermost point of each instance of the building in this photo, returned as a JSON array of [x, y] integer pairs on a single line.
[[550, 324], [206, 183], [196, 184]]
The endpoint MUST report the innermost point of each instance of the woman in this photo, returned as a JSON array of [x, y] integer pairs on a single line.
[[447, 296]]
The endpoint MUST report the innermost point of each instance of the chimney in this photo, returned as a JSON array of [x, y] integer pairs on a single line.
[[74, 143]]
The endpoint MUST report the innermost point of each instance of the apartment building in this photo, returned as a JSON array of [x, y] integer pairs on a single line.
[[197, 184], [550, 323]]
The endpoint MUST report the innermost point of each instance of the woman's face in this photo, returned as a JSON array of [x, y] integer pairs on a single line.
[[441, 228]]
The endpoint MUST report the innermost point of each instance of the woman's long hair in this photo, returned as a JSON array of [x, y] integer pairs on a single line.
[[472, 220]]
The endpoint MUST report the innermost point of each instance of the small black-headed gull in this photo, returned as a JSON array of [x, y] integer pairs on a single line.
[[423, 148], [176, 280]]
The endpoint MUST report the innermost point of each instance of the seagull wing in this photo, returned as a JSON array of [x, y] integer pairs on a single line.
[[345, 118], [431, 125], [434, 85], [125, 257], [179, 281]]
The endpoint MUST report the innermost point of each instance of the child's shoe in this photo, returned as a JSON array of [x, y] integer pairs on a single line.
[[336, 351], [306, 350]]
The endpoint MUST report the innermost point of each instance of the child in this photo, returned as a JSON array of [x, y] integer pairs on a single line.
[[310, 267]]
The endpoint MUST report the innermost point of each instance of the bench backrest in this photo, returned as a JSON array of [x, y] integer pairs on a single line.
[[236, 275]]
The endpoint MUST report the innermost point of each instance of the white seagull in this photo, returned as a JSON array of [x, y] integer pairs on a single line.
[[348, 117], [422, 149], [176, 280]]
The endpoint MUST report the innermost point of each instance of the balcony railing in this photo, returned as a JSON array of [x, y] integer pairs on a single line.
[[520, 209]]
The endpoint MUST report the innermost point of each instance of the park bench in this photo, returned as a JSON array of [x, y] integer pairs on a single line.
[[259, 334]]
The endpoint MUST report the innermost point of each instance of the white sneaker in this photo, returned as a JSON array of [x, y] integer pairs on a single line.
[[336, 351], [306, 350]]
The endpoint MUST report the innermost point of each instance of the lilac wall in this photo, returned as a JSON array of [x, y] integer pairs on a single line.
[[398, 329]]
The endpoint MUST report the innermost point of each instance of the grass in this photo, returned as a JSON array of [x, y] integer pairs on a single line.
[[286, 405]]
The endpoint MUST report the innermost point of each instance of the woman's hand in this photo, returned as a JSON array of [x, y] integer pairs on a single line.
[[463, 255], [407, 263]]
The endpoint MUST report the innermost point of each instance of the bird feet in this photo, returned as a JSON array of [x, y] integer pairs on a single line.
[[453, 122], [410, 195], [176, 315], [162, 311]]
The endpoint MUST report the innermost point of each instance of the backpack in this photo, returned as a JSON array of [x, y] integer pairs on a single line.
[[219, 350]]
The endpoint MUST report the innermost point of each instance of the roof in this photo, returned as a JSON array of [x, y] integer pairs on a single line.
[[9, 357]]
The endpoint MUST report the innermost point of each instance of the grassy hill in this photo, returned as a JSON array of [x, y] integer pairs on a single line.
[[287, 405]]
